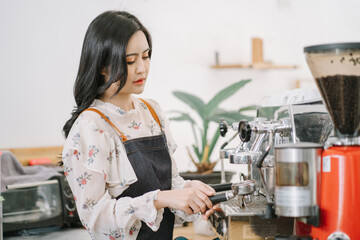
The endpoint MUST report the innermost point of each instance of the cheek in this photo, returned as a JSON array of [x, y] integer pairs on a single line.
[[147, 65], [129, 69], [130, 72]]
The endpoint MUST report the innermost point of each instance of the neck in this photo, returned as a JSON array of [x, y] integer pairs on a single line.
[[123, 101]]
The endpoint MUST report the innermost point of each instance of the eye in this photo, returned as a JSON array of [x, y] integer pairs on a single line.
[[146, 57], [130, 60]]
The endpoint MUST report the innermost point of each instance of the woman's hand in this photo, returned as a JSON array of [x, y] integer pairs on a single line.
[[210, 211], [194, 198], [200, 185], [203, 187]]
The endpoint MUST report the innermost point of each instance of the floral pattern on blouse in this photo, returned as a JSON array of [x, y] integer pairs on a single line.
[[131, 210], [64, 156], [135, 125], [123, 182], [113, 234], [151, 127], [162, 123], [105, 175], [87, 228], [133, 229], [98, 170], [120, 111], [117, 149], [83, 179], [76, 154], [109, 158], [98, 130], [143, 105], [76, 139], [67, 170], [88, 204], [93, 151]]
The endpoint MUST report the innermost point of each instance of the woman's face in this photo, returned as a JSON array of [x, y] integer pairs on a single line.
[[138, 64]]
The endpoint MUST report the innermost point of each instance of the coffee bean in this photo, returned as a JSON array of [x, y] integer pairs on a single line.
[[341, 93]]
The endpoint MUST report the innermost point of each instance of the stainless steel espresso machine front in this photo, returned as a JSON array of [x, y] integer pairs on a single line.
[[275, 127]]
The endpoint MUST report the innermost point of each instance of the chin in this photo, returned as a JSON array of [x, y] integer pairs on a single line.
[[138, 91]]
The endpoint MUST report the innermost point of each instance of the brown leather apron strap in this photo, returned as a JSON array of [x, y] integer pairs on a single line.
[[124, 138], [153, 113]]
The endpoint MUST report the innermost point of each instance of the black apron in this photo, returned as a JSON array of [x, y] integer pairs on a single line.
[[150, 159]]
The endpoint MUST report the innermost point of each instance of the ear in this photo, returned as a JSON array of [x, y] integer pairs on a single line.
[[104, 71]]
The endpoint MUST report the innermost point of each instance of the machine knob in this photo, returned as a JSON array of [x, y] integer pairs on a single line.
[[244, 131], [338, 236], [223, 127], [71, 205]]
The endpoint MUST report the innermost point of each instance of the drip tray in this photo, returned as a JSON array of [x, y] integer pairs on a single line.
[[254, 208]]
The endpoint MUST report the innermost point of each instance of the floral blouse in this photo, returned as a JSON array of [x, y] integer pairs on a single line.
[[98, 170]]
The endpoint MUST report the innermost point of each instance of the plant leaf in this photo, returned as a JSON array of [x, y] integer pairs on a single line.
[[182, 117], [247, 108], [186, 117], [193, 101], [205, 156], [214, 141], [229, 116], [222, 95], [196, 150]]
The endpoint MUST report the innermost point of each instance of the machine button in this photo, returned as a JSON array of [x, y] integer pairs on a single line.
[[338, 236]]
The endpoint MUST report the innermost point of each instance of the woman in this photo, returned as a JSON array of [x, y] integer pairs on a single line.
[[117, 155]]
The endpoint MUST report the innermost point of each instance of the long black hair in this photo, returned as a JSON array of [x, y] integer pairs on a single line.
[[104, 47]]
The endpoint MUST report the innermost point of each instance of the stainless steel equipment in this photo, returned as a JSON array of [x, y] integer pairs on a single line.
[[240, 190], [275, 127], [297, 167], [317, 180]]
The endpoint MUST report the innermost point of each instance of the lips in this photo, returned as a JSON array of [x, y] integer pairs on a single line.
[[139, 81]]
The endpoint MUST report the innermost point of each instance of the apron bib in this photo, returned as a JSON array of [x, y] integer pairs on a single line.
[[151, 161]]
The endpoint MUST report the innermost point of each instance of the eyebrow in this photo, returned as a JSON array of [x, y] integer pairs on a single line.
[[134, 54]]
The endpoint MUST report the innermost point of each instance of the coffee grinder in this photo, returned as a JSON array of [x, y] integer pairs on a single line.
[[336, 69]]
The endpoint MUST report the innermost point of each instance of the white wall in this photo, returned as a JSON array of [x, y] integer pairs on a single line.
[[40, 44]]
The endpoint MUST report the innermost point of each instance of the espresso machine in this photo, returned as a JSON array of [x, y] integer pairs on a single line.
[[300, 183], [262, 198], [336, 69]]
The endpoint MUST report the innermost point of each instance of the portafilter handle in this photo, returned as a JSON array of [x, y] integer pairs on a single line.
[[242, 188], [222, 197], [221, 187]]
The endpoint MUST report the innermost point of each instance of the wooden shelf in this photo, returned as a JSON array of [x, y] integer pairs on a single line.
[[257, 60], [263, 66]]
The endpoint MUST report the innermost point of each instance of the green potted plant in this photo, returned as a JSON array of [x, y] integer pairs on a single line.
[[204, 143]]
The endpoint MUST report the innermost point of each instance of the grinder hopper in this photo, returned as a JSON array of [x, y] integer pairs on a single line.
[[336, 69]]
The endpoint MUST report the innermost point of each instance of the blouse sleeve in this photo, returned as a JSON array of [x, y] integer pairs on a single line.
[[177, 182], [87, 157]]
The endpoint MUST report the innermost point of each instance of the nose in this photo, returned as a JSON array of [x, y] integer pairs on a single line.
[[140, 66]]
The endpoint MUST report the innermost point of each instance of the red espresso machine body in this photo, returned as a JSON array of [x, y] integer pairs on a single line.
[[339, 194], [336, 69]]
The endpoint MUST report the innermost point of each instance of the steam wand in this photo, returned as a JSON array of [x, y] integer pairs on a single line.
[[269, 210], [223, 130]]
